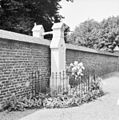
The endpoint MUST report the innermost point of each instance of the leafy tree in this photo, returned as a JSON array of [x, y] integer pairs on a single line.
[[109, 37], [92, 34], [85, 34], [20, 15]]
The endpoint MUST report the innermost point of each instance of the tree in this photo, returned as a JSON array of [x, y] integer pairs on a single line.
[[20, 15], [92, 34], [109, 37], [86, 34]]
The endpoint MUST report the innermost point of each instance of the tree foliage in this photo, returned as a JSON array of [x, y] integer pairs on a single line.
[[92, 34], [109, 37], [85, 34], [20, 15]]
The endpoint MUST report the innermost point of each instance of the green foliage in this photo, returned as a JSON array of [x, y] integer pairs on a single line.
[[20, 15], [86, 34], [92, 34], [74, 97], [109, 37], [22, 103]]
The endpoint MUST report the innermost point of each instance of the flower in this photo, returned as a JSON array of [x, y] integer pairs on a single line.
[[71, 64], [80, 64], [75, 63], [76, 69], [79, 72]]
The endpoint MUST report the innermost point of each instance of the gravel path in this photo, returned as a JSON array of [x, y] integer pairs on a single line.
[[105, 108]]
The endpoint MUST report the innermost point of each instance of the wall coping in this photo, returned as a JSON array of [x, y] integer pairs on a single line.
[[23, 38], [85, 49]]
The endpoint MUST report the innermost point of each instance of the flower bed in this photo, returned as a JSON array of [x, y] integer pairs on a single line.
[[76, 96], [69, 99], [80, 92]]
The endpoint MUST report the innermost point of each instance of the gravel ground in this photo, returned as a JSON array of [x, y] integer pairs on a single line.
[[105, 108]]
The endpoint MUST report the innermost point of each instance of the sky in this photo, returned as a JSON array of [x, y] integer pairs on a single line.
[[81, 10]]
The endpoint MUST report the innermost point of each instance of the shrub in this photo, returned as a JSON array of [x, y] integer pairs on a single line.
[[22, 103]]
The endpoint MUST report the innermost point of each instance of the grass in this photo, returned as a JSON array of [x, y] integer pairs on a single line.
[[15, 115]]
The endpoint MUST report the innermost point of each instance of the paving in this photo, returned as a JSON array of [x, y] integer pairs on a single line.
[[104, 108]]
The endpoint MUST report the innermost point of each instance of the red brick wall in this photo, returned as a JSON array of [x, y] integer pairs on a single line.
[[17, 61], [21, 55], [101, 63]]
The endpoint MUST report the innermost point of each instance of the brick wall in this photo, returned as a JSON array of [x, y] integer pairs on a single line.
[[18, 59], [102, 63], [21, 55]]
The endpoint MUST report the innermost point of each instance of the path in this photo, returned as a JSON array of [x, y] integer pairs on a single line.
[[105, 108]]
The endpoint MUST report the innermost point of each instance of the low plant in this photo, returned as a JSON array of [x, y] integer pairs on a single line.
[[22, 103], [75, 97], [59, 101], [75, 71]]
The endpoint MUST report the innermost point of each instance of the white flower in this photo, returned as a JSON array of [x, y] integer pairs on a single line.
[[79, 72], [71, 64], [80, 64], [83, 67], [77, 69], [73, 69], [76, 63], [73, 73]]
